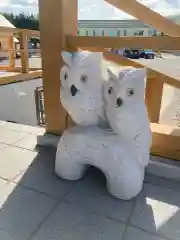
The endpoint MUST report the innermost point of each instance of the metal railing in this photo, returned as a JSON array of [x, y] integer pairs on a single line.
[[39, 101]]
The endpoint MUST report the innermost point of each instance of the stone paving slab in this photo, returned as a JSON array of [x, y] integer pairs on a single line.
[[35, 204], [22, 212], [91, 193], [22, 128], [70, 222], [157, 210], [41, 176], [9, 137], [15, 160], [29, 141], [138, 234]]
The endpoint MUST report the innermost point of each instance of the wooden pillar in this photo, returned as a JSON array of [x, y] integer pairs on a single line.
[[58, 18], [24, 52], [12, 54], [154, 91]]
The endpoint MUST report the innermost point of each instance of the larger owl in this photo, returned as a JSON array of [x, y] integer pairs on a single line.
[[81, 91]]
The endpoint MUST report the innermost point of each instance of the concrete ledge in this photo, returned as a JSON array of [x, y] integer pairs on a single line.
[[165, 168], [48, 140]]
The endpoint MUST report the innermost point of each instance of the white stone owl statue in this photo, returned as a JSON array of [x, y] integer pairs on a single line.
[[126, 111], [81, 91], [122, 153]]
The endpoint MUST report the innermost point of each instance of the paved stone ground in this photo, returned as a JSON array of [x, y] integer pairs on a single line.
[[37, 205]]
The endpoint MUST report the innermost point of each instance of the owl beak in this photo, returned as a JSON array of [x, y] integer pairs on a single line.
[[119, 102], [73, 90]]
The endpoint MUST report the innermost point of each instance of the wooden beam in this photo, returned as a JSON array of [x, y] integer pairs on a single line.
[[12, 69], [10, 29], [4, 68], [154, 92], [19, 30], [20, 77], [152, 74], [11, 54], [160, 43], [165, 141], [32, 33], [24, 53], [13, 50], [58, 18], [147, 16]]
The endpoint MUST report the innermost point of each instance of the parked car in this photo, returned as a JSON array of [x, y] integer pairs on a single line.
[[147, 54], [135, 53], [132, 53], [18, 55], [30, 50]]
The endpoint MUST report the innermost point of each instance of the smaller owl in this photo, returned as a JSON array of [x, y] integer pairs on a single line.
[[126, 111]]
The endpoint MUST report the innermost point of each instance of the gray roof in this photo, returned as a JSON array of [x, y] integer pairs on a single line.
[[131, 23], [111, 24]]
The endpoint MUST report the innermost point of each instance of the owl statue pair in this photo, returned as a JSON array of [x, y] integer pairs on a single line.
[[112, 130]]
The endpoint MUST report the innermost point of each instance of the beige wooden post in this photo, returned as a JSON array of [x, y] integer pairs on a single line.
[[154, 92], [12, 54], [24, 52], [58, 18]]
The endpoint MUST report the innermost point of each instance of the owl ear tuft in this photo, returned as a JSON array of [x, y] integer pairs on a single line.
[[111, 75], [67, 58]]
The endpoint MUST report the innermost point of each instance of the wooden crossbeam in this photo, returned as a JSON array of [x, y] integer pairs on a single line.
[[19, 30], [148, 16], [20, 77], [156, 43], [152, 74]]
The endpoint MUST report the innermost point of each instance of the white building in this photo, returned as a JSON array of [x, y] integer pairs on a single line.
[[118, 28], [114, 28]]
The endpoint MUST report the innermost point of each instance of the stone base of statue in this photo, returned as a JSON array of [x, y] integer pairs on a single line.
[[80, 147]]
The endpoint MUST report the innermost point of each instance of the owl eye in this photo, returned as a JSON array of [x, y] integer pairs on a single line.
[[130, 92], [110, 90], [84, 78], [65, 76]]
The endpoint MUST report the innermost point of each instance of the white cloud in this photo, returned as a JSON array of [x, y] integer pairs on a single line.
[[164, 7], [94, 9], [4, 3]]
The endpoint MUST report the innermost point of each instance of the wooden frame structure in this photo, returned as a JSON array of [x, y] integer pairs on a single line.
[[63, 28], [58, 28], [24, 72]]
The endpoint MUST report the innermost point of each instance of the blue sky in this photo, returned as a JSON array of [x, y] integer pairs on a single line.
[[94, 9]]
